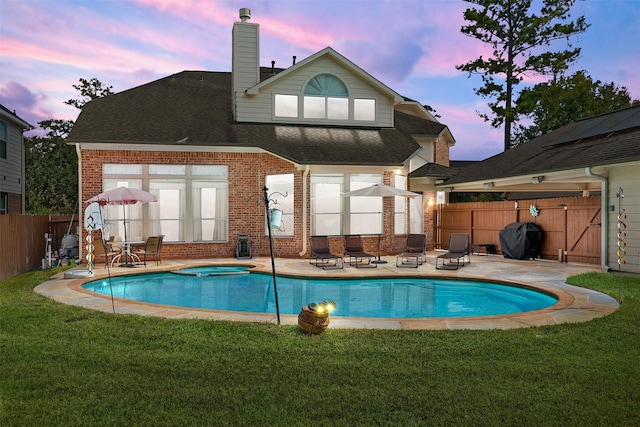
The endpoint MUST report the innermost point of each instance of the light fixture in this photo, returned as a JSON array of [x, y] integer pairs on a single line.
[[439, 181], [487, 185], [314, 318], [537, 179]]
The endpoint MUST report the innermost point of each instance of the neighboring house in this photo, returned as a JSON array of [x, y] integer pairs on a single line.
[[12, 192], [599, 155], [207, 143]]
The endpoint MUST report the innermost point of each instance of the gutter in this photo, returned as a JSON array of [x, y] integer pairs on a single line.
[[80, 202], [604, 213], [304, 210]]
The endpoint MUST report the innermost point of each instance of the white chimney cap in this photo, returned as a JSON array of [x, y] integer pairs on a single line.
[[245, 14]]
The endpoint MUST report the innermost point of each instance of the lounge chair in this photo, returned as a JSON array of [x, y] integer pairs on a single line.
[[152, 249], [457, 253], [415, 253], [321, 255], [243, 251], [354, 250]]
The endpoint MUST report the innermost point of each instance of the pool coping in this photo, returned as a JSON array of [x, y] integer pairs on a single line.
[[574, 304]]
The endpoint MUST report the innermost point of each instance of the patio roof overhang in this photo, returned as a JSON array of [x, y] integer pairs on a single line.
[[560, 181]]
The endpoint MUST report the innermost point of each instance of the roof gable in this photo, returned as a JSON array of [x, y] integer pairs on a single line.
[[328, 52]]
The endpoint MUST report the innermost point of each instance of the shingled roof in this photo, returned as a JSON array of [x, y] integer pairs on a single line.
[[595, 141], [196, 105]]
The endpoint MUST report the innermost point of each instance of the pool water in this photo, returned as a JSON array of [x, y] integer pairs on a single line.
[[376, 298], [214, 270]]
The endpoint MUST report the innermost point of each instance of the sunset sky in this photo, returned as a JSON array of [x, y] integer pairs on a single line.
[[411, 46]]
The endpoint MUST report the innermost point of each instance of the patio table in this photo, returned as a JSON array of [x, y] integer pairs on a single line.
[[128, 254]]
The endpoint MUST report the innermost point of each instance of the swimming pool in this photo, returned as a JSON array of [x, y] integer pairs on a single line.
[[397, 297]]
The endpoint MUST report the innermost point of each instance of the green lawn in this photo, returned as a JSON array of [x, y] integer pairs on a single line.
[[70, 366]]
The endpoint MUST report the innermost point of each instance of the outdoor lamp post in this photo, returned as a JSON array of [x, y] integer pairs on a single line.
[[268, 201]]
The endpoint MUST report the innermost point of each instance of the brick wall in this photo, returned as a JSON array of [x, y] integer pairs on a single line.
[[247, 173], [442, 152]]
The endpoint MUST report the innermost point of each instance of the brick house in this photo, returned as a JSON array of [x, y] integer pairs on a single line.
[[12, 192], [207, 143]]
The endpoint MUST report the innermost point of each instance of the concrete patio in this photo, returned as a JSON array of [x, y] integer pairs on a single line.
[[574, 304]]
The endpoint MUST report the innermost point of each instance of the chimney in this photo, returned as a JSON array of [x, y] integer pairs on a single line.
[[245, 60]]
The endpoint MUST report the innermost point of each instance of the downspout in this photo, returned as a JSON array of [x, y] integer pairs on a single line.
[[304, 210], [80, 203], [604, 214]]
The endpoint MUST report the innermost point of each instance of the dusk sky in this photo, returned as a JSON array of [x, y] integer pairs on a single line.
[[46, 46]]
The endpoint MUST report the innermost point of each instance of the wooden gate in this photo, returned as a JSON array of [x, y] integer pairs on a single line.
[[570, 225]]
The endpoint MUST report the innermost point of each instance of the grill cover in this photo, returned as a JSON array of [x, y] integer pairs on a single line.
[[521, 240]]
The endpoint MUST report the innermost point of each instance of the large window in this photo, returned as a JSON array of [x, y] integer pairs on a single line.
[[192, 202], [325, 97], [334, 214], [365, 213], [280, 190], [326, 204], [400, 207], [286, 105], [364, 109]]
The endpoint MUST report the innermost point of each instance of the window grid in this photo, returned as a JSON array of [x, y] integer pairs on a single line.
[[176, 219]]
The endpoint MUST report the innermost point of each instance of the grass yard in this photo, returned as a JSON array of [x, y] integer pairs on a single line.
[[68, 366]]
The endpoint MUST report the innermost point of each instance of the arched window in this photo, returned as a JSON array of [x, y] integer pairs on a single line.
[[326, 85], [326, 97]]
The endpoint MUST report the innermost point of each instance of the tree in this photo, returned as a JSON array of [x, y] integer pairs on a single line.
[[51, 175], [554, 104], [520, 41], [89, 89]]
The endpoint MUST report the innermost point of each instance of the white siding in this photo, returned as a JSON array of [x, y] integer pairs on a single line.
[[11, 167], [259, 108], [626, 177], [245, 57]]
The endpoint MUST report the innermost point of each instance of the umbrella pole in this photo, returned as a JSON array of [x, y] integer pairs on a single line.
[[379, 261], [124, 221], [124, 245]]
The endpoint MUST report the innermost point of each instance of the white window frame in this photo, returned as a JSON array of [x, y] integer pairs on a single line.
[[138, 215], [281, 192], [400, 223], [339, 211]]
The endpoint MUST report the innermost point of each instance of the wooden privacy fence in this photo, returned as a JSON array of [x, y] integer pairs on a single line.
[[570, 225], [22, 240]]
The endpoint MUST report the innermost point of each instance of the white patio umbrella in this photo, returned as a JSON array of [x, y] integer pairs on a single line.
[[123, 196], [380, 190]]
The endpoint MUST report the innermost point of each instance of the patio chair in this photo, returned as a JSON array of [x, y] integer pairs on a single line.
[[353, 249], [243, 250], [152, 248], [321, 255], [415, 253], [102, 250], [457, 253]]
